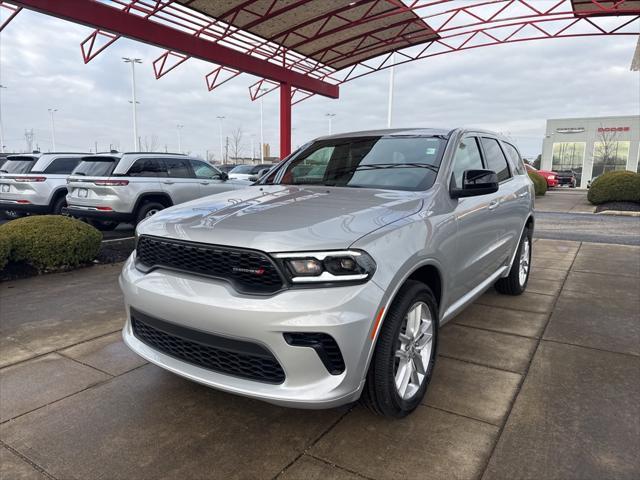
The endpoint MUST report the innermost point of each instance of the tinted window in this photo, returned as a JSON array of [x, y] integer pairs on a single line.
[[246, 169], [394, 163], [178, 168], [204, 170], [467, 158], [19, 165], [63, 166], [496, 160], [148, 167], [96, 166], [516, 160]]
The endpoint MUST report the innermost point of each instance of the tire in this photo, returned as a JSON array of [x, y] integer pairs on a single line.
[[102, 225], [380, 394], [58, 205], [11, 214], [147, 209], [514, 283]]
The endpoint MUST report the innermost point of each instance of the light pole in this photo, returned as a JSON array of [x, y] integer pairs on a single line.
[[52, 111], [330, 115], [222, 159], [133, 61], [262, 90], [2, 87], [252, 149], [179, 127], [391, 78]]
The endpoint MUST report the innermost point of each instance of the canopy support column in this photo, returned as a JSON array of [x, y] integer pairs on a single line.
[[285, 119]]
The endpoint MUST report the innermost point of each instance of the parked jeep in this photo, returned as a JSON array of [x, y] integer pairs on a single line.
[[36, 183], [108, 189]]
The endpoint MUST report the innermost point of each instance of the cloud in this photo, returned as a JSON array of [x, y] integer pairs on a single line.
[[510, 88]]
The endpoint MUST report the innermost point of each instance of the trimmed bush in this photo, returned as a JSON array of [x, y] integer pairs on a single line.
[[5, 249], [539, 183], [616, 186], [51, 241]]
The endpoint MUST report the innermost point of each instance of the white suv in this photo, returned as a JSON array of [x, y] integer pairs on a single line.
[[36, 183], [127, 187]]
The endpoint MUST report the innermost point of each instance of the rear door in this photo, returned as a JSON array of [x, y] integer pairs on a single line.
[[209, 179], [180, 184]]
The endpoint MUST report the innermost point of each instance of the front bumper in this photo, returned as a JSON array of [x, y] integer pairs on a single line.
[[206, 305]]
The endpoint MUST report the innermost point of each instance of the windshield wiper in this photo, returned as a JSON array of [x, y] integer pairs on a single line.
[[382, 166], [4, 171], [79, 173]]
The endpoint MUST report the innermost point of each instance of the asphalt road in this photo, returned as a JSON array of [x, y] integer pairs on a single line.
[[587, 227]]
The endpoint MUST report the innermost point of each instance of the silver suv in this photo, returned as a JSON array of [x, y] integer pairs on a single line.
[[36, 183], [328, 280], [111, 188]]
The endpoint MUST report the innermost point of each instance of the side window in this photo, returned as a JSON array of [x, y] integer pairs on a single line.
[[178, 168], [148, 167], [496, 160], [204, 170], [467, 158], [516, 160], [63, 166], [312, 169]]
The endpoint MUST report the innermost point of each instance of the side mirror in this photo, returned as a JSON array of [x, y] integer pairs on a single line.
[[223, 176], [476, 182]]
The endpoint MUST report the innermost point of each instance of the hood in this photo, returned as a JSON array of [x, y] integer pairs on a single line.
[[278, 218]]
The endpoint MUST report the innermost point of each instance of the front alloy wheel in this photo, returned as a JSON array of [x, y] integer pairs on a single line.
[[405, 353]]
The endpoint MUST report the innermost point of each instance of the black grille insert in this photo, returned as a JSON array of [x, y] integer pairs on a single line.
[[213, 352], [248, 271], [324, 345]]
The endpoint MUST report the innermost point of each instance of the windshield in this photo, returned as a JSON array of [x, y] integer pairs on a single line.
[[18, 165], [394, 163], [242, 169], [96, 166]]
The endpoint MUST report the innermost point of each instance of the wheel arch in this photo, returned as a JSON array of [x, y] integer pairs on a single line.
[[160, 197]]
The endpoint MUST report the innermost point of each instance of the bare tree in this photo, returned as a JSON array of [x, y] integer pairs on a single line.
[[605, 151], [151, 144], [237, 146]]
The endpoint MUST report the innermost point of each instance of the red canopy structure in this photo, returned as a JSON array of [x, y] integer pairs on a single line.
[[311, 47]]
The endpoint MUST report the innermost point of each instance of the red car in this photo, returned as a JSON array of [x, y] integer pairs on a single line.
[[550, 177]]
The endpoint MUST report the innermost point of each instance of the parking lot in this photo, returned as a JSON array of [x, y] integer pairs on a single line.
[[538, 386]]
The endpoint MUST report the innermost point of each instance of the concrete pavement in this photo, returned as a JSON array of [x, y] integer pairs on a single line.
[[539, 386]]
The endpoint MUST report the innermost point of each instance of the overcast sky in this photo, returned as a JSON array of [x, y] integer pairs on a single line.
[[509, 88]]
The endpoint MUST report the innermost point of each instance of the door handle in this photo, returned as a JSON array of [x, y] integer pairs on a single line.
[[205, 183], [168, 182], [494, 204]]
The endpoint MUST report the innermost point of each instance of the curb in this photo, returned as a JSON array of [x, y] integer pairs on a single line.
[[621, 213]]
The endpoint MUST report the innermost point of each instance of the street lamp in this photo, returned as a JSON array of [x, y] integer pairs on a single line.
[[133, 61], [1, 129], [52, 111], [391, 78], [222, 159], [179, 127], [330, 115]]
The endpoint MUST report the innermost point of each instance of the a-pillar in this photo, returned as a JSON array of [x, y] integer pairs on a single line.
[[285, 119]]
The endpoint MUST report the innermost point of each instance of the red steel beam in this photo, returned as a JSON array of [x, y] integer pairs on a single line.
[[285, 119], [94, 14]]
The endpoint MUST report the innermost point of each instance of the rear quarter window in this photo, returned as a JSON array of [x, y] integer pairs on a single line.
[[148, 167], [516, 159]]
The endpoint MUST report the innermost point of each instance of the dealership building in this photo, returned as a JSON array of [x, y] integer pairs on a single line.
[[592, 146]]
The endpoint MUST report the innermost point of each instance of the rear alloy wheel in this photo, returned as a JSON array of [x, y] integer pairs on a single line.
[[516, 282], [58, 206], [148, 210], [405, 354]]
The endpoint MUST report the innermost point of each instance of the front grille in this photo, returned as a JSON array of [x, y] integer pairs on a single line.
[[220, 354], [248, 271], [324, 345]]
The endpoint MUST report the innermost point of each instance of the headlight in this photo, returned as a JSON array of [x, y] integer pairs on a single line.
[[327, 267], [552, 177]]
